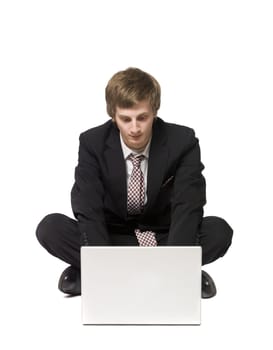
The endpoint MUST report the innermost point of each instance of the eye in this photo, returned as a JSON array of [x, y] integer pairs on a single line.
[[142, 117], [126, 120]]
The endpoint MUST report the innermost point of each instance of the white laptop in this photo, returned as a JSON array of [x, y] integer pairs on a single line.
[[141, 285]]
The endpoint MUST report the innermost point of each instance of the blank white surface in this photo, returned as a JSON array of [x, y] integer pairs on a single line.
[[141, 285], [213, 60]]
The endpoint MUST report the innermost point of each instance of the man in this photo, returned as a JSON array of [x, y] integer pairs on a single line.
[[138, 182]]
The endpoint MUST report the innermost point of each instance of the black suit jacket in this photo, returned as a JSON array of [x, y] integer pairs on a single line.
[[175, 187]]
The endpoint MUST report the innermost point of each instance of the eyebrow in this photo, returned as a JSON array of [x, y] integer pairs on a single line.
[[127, 116]]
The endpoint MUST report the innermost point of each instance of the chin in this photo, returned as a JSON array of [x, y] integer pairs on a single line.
[[135, 144], [136, 147]]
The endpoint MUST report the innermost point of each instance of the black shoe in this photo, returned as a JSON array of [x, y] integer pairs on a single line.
[[208, 286], [70, 281]]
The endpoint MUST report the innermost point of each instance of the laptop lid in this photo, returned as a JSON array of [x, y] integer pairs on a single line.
[[141, 285]]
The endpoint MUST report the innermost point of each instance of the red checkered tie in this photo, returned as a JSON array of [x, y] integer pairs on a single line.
[[136, 194]]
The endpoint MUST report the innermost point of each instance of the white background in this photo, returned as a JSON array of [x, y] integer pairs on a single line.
[[213, 60]]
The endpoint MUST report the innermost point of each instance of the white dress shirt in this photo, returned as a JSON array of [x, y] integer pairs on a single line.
[[129, 166]]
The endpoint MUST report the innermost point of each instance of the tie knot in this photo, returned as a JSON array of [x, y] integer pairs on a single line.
[[136, 159]]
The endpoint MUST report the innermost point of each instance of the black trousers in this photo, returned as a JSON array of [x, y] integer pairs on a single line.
[[60, 236]]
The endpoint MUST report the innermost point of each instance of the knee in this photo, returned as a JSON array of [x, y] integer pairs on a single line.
[[46, 228], [221, 229]]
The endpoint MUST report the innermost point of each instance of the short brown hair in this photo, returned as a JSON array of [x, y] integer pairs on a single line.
[[128, 87]]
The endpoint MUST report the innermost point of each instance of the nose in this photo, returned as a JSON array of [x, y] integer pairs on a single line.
[[135, 129]]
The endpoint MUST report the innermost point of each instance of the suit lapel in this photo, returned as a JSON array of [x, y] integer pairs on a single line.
[[116, 169], [158, 157]]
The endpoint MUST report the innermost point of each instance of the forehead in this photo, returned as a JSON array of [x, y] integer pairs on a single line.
[[139, 108]]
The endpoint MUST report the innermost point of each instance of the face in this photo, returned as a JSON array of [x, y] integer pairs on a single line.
[[135, 125]]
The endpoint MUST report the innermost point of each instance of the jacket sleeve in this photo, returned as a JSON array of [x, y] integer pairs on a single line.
[[189, 197], [87, 198]]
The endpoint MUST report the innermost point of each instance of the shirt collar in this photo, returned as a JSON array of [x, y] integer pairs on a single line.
[[127, 151]]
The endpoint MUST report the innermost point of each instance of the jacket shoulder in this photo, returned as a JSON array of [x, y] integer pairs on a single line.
[[95, 138], [96, 132], [178, 133], [179, 129]]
